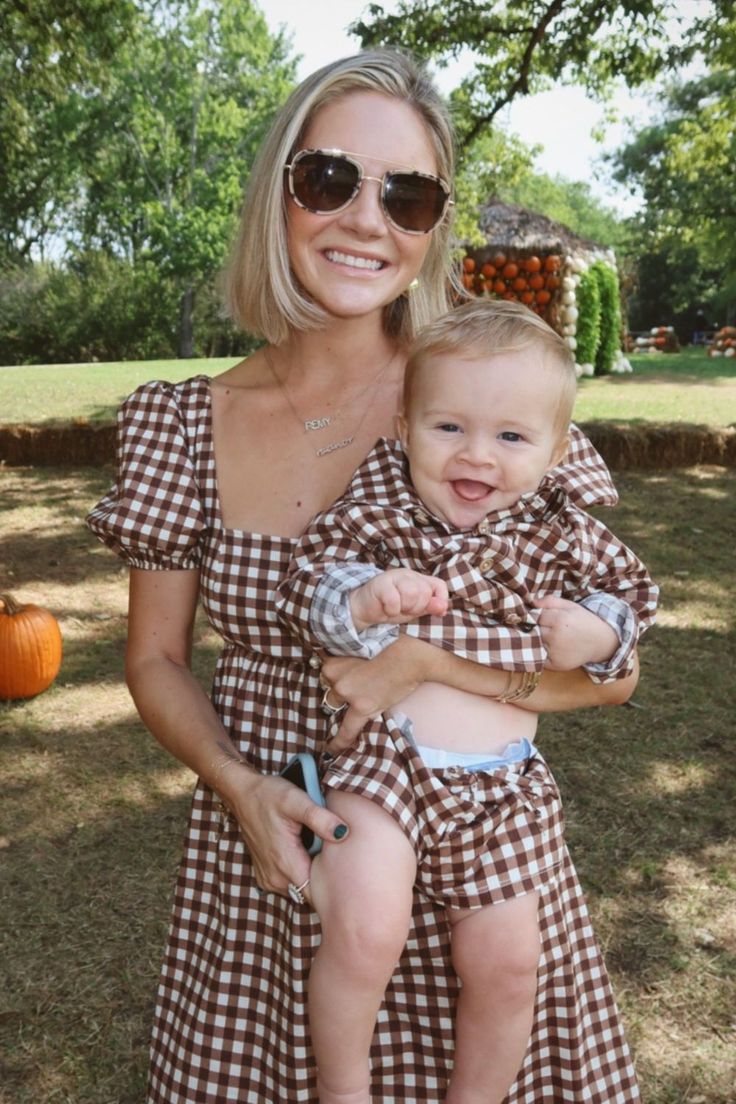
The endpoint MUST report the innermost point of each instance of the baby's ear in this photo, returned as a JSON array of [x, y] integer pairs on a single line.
[[402, 429]]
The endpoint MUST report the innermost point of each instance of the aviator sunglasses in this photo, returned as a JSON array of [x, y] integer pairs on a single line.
[[325, 181]]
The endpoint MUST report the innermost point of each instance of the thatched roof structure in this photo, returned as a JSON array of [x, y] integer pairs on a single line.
[[506, 226]]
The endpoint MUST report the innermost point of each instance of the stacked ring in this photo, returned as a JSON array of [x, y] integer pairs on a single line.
[[327, 707], [296, 894]]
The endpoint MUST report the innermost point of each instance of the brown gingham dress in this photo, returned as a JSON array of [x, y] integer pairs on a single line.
[[231, 1022]]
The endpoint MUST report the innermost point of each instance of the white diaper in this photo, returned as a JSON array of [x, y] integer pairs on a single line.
[[439, 758]]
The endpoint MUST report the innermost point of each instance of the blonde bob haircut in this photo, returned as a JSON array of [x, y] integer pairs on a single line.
[[261, 293], [488, 328]]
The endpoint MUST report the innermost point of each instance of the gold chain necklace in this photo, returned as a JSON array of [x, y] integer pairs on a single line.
[[310, 425]]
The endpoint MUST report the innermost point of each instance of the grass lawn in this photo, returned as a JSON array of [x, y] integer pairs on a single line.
[[679, 387], [669, 387], [94, 811]]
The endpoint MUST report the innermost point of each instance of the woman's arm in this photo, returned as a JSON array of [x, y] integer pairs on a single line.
[[177, 711], [370, 686]]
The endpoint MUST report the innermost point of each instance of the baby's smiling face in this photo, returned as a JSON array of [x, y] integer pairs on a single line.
[[482, 431]]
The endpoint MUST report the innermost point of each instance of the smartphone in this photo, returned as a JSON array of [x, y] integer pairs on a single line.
[[302, 772]]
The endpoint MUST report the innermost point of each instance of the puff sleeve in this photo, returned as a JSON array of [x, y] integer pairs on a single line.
[[152, 517]]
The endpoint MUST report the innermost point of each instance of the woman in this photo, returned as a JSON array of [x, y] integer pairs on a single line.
[[217, 480]]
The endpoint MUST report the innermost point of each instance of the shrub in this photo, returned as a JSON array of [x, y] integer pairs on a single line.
[[610, 324], [588, 302], [95, 308]]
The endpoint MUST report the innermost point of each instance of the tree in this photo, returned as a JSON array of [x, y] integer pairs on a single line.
[[189, 99], [570, 202], [684, 166], [524, 46], [47, 49]]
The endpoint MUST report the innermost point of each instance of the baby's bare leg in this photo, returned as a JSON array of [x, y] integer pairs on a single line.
[[495, 952], [362, 891]]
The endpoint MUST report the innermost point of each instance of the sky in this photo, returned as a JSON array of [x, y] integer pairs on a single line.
[[560, 121]]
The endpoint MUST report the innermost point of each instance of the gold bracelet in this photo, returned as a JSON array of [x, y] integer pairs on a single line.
[[527, 686], [502, 696], [220, 767]]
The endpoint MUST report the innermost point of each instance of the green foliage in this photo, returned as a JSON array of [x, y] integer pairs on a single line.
[[609, 342], [526, 46], [497, 161], [100, 308], [671, 283], [684, 166], [131, 130], [589, 318], [570, 202], [51, 51], [190, 99]]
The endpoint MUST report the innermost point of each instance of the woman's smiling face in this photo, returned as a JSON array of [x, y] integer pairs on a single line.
[[354, 262]]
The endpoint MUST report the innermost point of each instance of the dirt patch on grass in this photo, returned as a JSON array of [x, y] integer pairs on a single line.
[[94, 811]]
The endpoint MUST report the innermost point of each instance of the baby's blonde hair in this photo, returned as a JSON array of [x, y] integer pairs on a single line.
[[488, 328]]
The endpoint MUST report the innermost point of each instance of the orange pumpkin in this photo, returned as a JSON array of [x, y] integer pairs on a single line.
[[536, 283], [543, 297], [499, 287], [532, 264], [499, 260], [30, 649], [527, 297], [519, 284], [551, 263], [510, 270], [489, 271], [468, 264], [553, 282]]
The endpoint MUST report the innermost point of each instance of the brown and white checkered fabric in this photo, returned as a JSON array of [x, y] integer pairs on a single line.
[[545, 544], [480, 836], [230, 1022]]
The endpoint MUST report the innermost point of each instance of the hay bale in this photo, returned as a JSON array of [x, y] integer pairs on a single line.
[[74, 445], [649, 445], [662, 445]]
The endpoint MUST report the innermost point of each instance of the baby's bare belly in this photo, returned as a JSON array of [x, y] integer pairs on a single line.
[[444, 717]]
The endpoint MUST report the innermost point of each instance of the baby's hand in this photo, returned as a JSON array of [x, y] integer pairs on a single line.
[[573, 635], [397, 596]]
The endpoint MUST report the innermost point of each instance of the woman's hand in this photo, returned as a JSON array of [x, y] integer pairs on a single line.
[[270, 812], [370, 686], [172, 703]]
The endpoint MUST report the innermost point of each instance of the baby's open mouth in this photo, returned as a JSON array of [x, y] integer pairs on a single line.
[[471, 490]]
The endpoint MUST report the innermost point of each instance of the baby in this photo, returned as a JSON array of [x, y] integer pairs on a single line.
[[464, 535]]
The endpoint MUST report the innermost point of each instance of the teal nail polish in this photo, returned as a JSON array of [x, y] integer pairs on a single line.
[[341, 831]]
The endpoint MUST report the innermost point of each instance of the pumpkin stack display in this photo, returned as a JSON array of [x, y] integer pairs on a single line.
[[724, 342], [546, 282], [660, 339], [532, 280], [30, 649]]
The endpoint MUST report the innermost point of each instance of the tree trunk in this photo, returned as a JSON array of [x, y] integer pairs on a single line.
[[186, 324]]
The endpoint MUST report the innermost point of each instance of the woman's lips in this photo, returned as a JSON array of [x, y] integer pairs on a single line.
[[470, 490]]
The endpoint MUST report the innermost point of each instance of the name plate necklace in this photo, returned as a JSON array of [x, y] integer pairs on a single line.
[[312, 425]]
